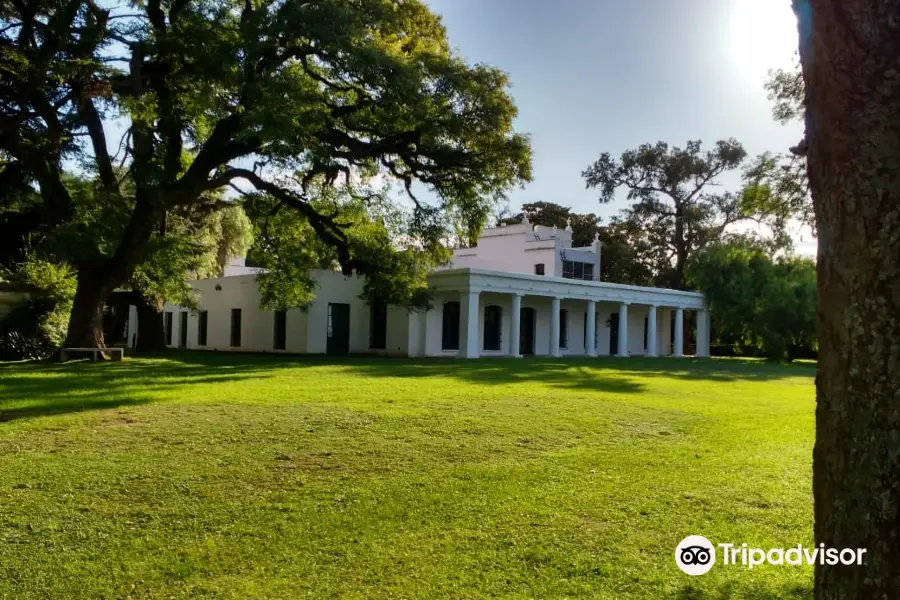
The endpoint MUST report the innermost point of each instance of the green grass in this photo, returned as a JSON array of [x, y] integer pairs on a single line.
[[226, 476]]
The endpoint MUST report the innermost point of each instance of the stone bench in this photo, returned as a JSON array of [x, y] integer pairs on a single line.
[[116, 354]]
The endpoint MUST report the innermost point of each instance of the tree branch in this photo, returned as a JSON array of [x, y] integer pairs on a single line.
[[94, 124], [325, 227]]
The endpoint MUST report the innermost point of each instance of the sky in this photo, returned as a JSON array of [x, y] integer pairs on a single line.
[[593, 76]]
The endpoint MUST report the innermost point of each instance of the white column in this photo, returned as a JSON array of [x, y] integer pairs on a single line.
[[554, 327], [423, 334], [651, 332], [590, 346], [515, 326], [469, 344], [623, 330], [702, 334], [678, 348]]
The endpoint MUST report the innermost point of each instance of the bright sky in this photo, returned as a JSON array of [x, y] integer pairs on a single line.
[[608, 75]]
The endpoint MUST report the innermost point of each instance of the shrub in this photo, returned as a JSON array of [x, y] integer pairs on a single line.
[[36, 327]]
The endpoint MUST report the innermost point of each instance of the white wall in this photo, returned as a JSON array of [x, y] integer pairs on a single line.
[[306, 329], [518, 248], [510, 254], [257, 326], [408, 334]]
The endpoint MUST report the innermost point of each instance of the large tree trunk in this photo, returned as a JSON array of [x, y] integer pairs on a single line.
[[151, 329], [95, 284], [86, 319], [850, 50]]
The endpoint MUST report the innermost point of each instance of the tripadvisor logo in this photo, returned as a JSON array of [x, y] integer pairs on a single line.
[[696, 555]]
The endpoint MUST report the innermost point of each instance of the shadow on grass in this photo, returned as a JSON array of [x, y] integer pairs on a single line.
[[754, 591], [37, 389], [44, 388]]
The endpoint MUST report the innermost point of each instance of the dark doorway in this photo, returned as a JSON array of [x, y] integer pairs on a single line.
[[450, 326], [526, 333], [338, 329], [202, 328], [235, 328], [378, 326], [614, 334], [646, 331], [279, 341], [182, 330], [168, 327], [493, 324]]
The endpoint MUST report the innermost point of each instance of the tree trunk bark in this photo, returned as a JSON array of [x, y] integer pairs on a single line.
[[151, 329], [86, 319], [95, 284], [850, 52]]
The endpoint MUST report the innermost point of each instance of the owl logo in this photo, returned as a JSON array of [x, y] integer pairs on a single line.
[[695, 555]]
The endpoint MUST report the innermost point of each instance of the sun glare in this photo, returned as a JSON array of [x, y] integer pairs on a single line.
[[763, 35]]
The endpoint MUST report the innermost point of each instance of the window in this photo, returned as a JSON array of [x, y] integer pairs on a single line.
[[563, 328], [378, 326], [168, 328], [450, 331], [578, 270], [280, 335], [493, 325], [235, 327], [539, 269], [202, 328]]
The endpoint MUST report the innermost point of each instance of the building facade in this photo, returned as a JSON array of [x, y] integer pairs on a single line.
[[523, 290]]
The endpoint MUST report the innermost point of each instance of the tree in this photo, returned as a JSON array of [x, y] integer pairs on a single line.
[[271, 95], [670, 190], [199, 240], [757, 304], [786, 89], [549, 214], [849, 51], [782, 176], [288, 248]]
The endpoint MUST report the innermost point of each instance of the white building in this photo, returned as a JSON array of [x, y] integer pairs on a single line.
[[523, 290]]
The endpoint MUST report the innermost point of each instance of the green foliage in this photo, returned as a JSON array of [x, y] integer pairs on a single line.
[[783, 176], [384, 244], [776, 185], [758, 303], [198, 241], [37, 326], [231, 229], [672, 204], [786, 90], [299, 90], [627, 256]]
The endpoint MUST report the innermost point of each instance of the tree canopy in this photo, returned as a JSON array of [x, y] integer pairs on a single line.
[[757, 304], [273, 98], [670, 189], [778, 180]]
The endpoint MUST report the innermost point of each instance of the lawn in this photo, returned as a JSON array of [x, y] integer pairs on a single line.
[[228, 476]]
